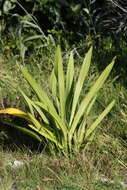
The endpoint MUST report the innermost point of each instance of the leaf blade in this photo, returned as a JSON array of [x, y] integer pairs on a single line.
[[70, 74], [99, 119], [61, 85], [93, 91], [37, 89], [82, 75], [33, 105]]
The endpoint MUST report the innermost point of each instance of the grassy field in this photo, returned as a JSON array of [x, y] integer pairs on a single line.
[[24, 165], [95, 169]]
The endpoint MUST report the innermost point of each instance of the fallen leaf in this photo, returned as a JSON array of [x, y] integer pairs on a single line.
[[46, 179], [1, 164]]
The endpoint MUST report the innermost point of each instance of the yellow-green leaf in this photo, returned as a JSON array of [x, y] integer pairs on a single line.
[[99, 119], [13, 111], [91, 94], [70, 74], [82, 75]]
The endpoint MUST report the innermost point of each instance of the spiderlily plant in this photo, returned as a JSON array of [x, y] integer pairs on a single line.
[[62, 116]]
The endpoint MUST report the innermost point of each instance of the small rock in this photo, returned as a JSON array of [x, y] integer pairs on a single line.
[[16, 164], [103, 180], [124, 185]]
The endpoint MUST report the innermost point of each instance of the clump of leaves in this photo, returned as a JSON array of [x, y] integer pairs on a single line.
[[62, 118]]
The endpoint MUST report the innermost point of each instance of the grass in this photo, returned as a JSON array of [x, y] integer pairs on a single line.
[[103, 165], [41, 171]]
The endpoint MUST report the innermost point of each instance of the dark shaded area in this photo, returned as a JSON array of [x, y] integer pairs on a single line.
[[12, 138], [77, 18]]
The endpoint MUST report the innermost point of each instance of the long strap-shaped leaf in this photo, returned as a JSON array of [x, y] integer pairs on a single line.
[[38, 127], [38, 90], [94, 89], [70, 74], [82, 75], [99, 119], [25, 130], [58, 66], [16, 112], [31, 103], [60, 122], [56, 117], [46, 135], [81, 133], [53, 84]]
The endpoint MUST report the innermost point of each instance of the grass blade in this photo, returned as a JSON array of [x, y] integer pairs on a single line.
[[30, 24], [33, 38]]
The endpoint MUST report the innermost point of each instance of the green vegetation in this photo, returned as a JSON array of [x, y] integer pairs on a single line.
[[83, 171], [61, 128], [63, 121]]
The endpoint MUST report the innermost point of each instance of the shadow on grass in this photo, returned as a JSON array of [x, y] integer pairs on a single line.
[[13, 139]]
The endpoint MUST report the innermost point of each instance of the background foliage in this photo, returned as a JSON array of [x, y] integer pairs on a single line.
[[75, 19]]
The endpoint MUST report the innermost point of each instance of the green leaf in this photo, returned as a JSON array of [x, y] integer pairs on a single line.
[[29, 132], [81, 131], [90, 105], [58, 68], [37, 89], [33, 105], [53, 84], [28, 102], [81, 134], [33, 38], [45, 133], [69, 75], [99, 119], [25, 130], [82, 75], [56, 117], [91, 94], [59, 122]]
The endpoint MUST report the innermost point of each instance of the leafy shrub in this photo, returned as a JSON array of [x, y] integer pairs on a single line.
[[79, 17], [70, 20], [63, 119]]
